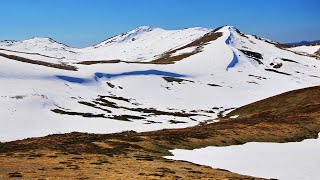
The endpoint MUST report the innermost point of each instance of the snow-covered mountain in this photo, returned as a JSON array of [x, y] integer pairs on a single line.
[[145, 79], [140, 44]]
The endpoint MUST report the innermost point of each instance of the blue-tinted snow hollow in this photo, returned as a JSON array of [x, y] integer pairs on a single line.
[[99, 75], [137, 73], [73, 79], [228, 41], [234, 60]]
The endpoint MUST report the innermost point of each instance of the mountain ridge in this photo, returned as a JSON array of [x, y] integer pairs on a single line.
[[304, 43], [127, 32], [150, 28], [137, 29]]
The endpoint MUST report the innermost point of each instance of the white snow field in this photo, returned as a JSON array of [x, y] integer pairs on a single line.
[[292, 161], [306, 49], [229, 72]]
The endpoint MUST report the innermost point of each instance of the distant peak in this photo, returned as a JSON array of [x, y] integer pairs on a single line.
[[234, 29], [303, 43], [231, 28], [222, 28], [200, 29], [144, 27], [41, 39]]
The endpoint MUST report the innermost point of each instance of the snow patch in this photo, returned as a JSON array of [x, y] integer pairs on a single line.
[[234, 117], [294, 160]]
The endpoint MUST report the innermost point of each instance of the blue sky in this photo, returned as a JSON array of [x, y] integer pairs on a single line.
[[81, 23]]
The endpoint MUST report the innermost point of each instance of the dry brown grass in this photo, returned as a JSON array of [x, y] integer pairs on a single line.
[[55, 165], [292, 102], [167, 57], [99, 62], [41, 63]]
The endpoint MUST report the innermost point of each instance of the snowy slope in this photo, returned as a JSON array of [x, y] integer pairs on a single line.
[[43, 46], [230, 71], [142, 43], [306, 49]]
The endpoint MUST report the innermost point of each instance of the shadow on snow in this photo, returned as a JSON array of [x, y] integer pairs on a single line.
[[99, 75]]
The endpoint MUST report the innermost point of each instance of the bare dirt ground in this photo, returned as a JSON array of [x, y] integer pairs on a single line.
[[292, 116]]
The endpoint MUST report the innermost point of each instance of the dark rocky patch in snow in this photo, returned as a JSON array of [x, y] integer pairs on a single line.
[[110, 84], [252, 82], [178, 80], [94, 106], [127, 117], [277, 65], [88, 115], [18, 97], [240, 33], [279, 72], [117, 98], [253, 55], [105, 104], [102, 101], [314, 76], [288, 60], [214, 85], [258, 77], [99, 62], [176, 122]]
